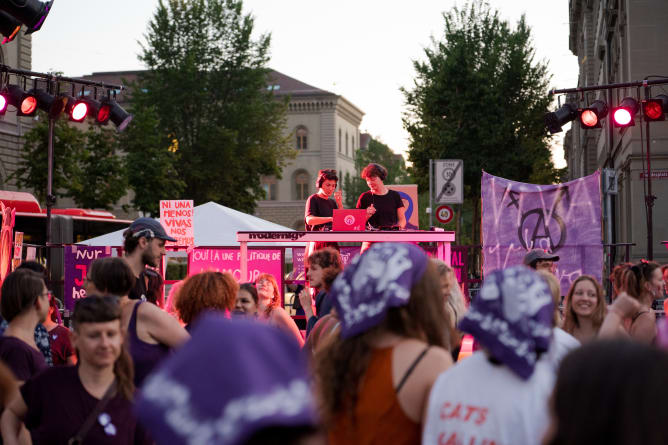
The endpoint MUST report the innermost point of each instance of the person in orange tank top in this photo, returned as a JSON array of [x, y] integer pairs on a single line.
[[375, 374]]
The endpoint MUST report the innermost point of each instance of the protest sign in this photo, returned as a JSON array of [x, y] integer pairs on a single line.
[[176, 216], [77, 260], [18, 244], [260, 261], [563, 219], [409, 196]]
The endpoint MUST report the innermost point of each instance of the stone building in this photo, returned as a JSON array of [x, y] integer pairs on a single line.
[[16, 54], [622, 41], [325, 132]]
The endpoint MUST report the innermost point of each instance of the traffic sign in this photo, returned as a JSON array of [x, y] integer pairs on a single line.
[[449, 175], [444, 214]]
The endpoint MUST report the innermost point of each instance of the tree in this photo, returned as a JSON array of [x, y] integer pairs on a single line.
[[480, 96], [379, 153], [86, 164], [150, 162], [207, 82]]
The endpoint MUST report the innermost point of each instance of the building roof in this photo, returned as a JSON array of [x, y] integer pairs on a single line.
[[292, 86]]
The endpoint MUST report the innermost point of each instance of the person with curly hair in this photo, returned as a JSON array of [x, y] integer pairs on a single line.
[[585, 308], [374, 374], [269, 306], [206, 291]]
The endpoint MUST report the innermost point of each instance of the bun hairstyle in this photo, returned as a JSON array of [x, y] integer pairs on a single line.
[[326, 175], [374, 170]]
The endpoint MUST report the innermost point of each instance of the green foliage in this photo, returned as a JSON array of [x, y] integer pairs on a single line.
[[102, 180], [86, 166], [379, 153], [150, 165], [207, 82], [480, 96]]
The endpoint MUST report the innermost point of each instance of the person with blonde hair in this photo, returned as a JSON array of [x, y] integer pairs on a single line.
[[454, 303], [585, 308], [269, 306]]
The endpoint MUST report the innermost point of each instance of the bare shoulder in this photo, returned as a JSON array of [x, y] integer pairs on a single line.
[[148, 312], [279, 314], [435, 358]]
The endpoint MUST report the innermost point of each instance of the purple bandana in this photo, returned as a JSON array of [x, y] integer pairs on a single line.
[[380, 278], [512, 318], [232, 379]]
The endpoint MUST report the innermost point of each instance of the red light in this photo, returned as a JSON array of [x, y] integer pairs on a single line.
[[28, 105], [79, 112], [589, 118], [3, 103], [653, 110], [622, 116], [103, 114]]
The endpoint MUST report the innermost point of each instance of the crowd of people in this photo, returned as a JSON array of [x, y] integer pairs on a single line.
[[381, 359]]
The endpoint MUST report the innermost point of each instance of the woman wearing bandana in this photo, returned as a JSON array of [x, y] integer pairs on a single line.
[[374, 376], [500, 393], [55, 404]]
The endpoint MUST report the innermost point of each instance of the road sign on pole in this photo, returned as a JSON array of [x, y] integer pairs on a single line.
[[449, 181], [444, 214]]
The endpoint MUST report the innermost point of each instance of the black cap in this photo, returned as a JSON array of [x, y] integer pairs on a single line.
[[538, 254], [148, 228]]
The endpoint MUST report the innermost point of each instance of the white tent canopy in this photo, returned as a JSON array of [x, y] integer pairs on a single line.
[[215, 225]]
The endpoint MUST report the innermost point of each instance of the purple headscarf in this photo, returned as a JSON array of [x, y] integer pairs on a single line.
[[232, 379], [512, 318], [380, 278]]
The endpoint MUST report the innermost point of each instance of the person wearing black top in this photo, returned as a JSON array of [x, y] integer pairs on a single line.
[[384, 207], [319, 211]]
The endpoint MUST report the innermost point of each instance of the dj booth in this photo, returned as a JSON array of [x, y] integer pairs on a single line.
[[442, 238]]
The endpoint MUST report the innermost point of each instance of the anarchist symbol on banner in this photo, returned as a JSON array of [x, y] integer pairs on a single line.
[[541, 230]]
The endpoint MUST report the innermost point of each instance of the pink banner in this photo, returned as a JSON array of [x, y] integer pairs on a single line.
[[260, 261]]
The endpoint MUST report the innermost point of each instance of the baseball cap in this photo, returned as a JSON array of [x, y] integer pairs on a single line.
[[148, 228], [539, 254]]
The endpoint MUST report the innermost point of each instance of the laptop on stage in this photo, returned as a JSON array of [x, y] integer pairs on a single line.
[[349, 220]]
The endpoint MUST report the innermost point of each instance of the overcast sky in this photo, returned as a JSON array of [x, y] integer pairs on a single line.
[[362, 50]]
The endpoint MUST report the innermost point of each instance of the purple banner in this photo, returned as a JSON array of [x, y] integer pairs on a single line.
[[77, 260], [563, 219]]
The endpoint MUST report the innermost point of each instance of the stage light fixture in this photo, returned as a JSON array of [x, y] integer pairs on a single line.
[[9, 27], [31, 13], [655, 108], [99, 111], [117, 114], [563, 115], [622, 116], [3, 103], [591, 116], [25, 103], [77, 109], [53, 105]]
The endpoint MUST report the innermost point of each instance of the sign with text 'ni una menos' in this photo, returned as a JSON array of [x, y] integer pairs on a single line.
[[176, 216]]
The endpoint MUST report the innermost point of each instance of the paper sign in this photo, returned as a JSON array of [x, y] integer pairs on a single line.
[[18, 244], [77, 260], [176, 216]]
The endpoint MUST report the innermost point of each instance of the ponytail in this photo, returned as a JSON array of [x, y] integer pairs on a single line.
[[125, 373]]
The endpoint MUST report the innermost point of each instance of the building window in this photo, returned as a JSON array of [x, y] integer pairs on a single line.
[[339, 140], [301, 181], [270, 186], [346, 143], [302, 135]]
